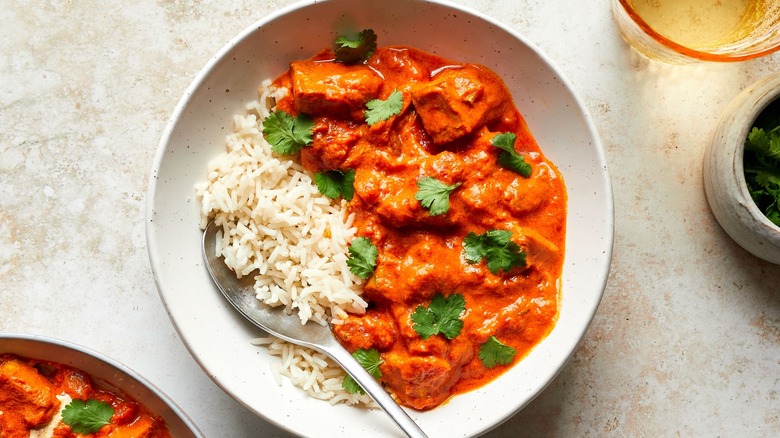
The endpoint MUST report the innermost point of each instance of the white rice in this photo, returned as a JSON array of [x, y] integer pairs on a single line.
[[292, 238]]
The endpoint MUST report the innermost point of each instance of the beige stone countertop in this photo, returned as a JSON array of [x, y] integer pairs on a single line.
[[686, 341]]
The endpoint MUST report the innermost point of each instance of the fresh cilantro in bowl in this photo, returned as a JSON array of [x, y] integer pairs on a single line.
[[762, 162]]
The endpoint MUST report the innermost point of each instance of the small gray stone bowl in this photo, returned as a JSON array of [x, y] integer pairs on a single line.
[[724, 178]]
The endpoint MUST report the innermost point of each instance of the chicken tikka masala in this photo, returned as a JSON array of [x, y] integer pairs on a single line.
[[48, 399], [460, 217]]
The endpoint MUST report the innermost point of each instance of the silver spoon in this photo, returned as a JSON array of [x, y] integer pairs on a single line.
[[276, 322]]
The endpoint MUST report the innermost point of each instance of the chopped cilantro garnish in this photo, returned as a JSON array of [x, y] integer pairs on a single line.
[[497, 247], [493, 353], [362, 257], [762, 171], [368, 359], [510, 158], [335, 183], [287, 135], [86, 417], [378, 110], [442, 316], [355, 48], [434, 195]]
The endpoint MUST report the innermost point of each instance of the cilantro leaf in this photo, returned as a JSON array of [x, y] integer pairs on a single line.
[[762, 170], [351, 385], [434, 195], [362, 257], [86, 417], [504, 141], [287, 135], [368, 359], [765, 143], [378, 110], [355, 48], [493, 353], [497, 247], [335, 183], [509, 158], [441, 316]]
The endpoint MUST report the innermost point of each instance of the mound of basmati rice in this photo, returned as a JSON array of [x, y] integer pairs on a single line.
[[294, 240]]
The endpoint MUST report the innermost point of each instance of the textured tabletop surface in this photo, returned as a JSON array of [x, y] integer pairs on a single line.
[[686, 341]]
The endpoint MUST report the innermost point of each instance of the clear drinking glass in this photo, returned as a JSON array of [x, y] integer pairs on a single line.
[[684, 31]]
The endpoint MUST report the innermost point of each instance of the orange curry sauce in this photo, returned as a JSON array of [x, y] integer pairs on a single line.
[[28, 400], [451, 113]]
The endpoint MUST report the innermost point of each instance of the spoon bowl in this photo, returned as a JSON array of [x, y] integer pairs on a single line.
[[274, 320]]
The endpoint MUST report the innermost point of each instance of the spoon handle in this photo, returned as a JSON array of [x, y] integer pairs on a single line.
[[375, 390]]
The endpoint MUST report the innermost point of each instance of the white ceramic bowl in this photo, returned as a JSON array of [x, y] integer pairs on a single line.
[[218, 338], [105, 372], [724, 177]]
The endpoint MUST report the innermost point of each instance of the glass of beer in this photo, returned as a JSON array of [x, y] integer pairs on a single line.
[[684, 31]]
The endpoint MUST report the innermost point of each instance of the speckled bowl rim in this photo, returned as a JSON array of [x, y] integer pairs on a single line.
[[104, 371]]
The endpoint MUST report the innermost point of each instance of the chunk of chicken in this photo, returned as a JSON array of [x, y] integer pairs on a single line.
[[331, 142], [422, 382], [371, 330], [26, 396], [539, 250], [331, 88], [142, 427], [459, 100]]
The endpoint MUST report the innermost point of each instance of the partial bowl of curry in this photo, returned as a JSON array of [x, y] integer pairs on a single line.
[[426, 48], [49, 387]]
